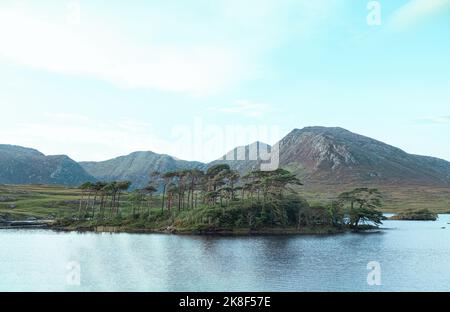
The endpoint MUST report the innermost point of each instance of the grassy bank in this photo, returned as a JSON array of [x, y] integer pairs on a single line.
[[61, 205], [396, 198], [19, 202]]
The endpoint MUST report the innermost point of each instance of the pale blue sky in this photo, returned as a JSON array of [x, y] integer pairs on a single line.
[[98, 79]]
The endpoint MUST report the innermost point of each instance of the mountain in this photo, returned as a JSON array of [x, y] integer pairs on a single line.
[[319, 155], [338, 156], [327, 160], [333, 160], [20, 165], [136, 167]]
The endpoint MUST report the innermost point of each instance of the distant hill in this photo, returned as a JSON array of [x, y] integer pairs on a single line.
[[337, 156], [327, 160], [20, 165], [136, 167], [319, 155]]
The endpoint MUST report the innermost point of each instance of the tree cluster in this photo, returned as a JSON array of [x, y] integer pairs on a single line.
[[220, 196], [101, 199]]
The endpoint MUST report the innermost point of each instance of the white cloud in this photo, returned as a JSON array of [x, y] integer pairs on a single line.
[[244, 108], [416, 11], [435, 120], [62, 48], [84, 138], [170, 47]]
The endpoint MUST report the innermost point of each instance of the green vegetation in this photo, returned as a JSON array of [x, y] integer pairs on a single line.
[[416, 215], [192, 201], [363, 205], [396, 198], [20, 202]]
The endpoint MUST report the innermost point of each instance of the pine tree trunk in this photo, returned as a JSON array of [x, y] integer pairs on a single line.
[[81, 202], [163, 199]]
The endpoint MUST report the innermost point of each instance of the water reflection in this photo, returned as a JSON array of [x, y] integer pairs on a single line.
[[413, 256]]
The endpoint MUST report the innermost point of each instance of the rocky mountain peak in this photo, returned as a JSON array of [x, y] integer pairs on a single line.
[[319, 148]]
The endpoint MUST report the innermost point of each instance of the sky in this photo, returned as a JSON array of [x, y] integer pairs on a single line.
[[97, 79]]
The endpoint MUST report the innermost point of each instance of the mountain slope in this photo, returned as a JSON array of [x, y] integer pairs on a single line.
[[327, 160], [338, 156], [319, 155], [19, 165], [136, 167]]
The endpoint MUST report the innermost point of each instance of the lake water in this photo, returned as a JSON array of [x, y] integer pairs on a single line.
[[412, 255]]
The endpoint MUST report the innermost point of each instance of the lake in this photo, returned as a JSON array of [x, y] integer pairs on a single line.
[[413, 256]]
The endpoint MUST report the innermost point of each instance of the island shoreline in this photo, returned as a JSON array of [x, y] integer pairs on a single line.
[[318, 231]]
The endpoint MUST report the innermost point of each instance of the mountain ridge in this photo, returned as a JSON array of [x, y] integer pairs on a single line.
[[136, 167], [318, 155], [21, 165], [338, 154]]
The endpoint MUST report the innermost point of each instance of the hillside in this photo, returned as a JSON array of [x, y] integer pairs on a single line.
[[337, 156], [136, 167], [20, 165], [319, 155]]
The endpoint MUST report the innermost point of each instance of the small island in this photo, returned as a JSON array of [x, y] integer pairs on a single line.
[[217, 201], [416, 215]]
